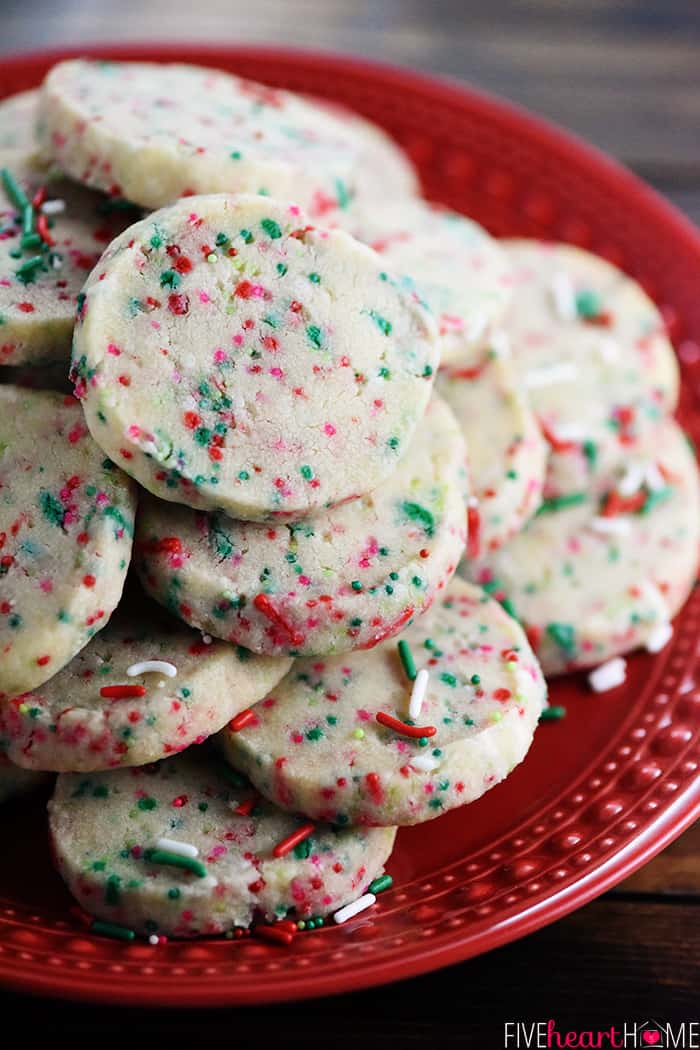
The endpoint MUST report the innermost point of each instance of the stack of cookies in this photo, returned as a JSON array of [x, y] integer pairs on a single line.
[[300, 398]]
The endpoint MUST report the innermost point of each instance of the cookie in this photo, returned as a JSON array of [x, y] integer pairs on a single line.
[[45, 257], [230, 357], [597, 572], [17, 119], [227, 857], [15, 781], [448, 261], [334, 739], [593, 355], [155, 133], [344, 579], [66, 530], [146, 687], [507, 454]]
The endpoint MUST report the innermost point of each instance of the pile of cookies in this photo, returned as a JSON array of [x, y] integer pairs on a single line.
[[260, 401]]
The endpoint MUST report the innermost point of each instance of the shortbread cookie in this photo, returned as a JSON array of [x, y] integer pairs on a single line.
[[507, 453], [334, 740], [154, 133], [45, 257], [144, 688], [17, 120], [597, 572], [448, 261], [344, 579], [230, 357], [108, 831], [66, 529], [593, 356]]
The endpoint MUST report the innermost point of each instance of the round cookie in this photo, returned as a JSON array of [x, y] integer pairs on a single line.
[[15, 781], [344, 579], [596, 573], [95, 715], [448, 261], [507, 454], [66, 530], [17, 120], [155, 133], [593, 355], [315, 745], [230, 357], [104, 827], [41, 276]]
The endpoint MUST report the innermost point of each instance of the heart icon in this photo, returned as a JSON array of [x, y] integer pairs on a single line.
[[650, 1038]]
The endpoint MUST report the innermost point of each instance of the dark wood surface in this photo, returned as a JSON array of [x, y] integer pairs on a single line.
[[624, 74]]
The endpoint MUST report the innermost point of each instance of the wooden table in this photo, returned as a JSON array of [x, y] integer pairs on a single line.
[[626, 76]]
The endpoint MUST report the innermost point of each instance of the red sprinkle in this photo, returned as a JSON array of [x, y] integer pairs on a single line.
[[473, 532], [243, 719], [122, 692], [286, 845], [243, 810], [402, 729], [271, 933], [263, 604]]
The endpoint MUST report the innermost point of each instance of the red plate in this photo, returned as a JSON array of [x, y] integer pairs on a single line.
[[600, 792]]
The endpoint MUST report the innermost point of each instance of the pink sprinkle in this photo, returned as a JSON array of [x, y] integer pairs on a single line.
[[364, 715], [46, 586], [204, 297], [238, 340], [114, 350], [134, 431], [329, 429], [220, 355], [277, 372]]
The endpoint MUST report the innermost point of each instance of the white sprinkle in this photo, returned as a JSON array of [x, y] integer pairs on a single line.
[[611, 526], [563, 297], [500, 344], [659, 638], [57, 262], [654, 478], [351, 910], [207, 639], [53, 207], [472, 502], [157, 666], [425, 763], [608, 675], [418, 693], [569, 432], [564, 372], [183, 849], [654, 595], [631, 481], [608, 348], [153, 939]]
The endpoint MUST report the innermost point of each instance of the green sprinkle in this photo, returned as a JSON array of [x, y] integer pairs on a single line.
[[588, 304], [382, 324], [356, 585], [146, 803], [28, 220], [235, 154], [272, 229], [476, 679], [169, 279], [302, 851], [359, 734], [427, 372], [448, 678], [313, 333], [381, 883], [26, 273], [174, 893], [563, 635], [112, 894], [306, 473], [315, 278], [14, 190], [110, 929], [407, 659], [590, 451], [30, 240], [553, 714], [282, 269], [175, 860], [419, 514], [568, 499]]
